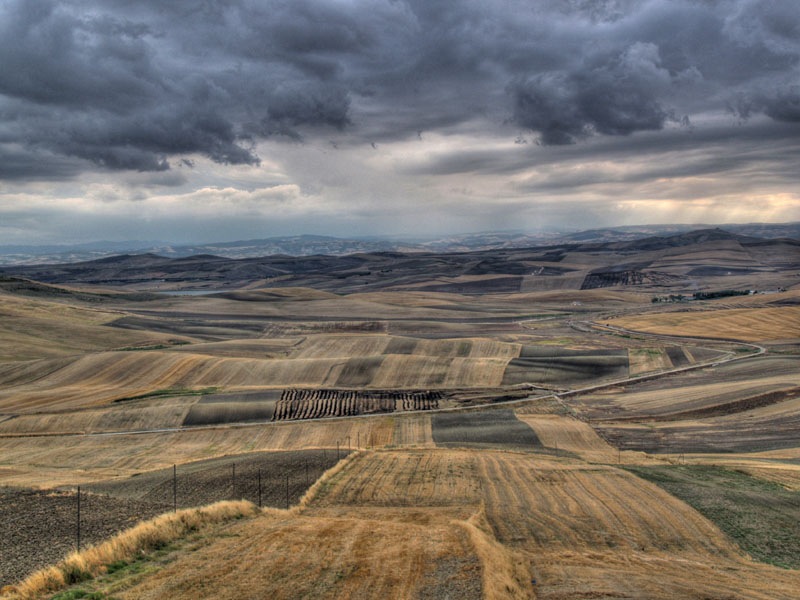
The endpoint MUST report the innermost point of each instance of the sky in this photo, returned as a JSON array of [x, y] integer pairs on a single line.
[[200, 120]]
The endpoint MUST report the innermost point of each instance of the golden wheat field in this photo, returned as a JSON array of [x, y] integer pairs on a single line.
[[746, 324]]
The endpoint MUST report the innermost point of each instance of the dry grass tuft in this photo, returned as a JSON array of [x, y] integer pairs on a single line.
[[504, 572], [324, 479], [138, 540]]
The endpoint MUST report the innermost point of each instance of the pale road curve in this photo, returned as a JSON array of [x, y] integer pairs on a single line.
[[760, 350]]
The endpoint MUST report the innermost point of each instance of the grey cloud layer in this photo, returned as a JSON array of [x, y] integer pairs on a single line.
[[122, 85]]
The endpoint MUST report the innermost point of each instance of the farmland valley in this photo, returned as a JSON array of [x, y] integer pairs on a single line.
[[583, 420]]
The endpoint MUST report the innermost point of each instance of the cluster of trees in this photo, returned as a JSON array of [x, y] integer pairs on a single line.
[[701, 296]]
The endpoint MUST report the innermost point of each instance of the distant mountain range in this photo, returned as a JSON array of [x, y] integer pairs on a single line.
[[307, 245], [700, 260]]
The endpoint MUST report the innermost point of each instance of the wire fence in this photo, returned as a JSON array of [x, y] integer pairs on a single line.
[[38, 527]]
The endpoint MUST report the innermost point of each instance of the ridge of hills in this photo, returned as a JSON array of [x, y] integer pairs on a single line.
[[305, 245], [700, 259]]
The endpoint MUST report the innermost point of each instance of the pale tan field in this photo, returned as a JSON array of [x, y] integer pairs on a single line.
[[749, 325], [71, 460], [32, 328], [162, 414], [644, 360], [288, 557], [571, 435], [314, 361]]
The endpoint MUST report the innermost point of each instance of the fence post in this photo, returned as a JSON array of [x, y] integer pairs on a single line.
[[233, 481], [175, 488], [79, 520], [306, 473], [287, 491], [337, 450], [259, 488]]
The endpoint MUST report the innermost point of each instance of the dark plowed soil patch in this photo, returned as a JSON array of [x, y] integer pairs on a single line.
[[677, 356], [38, 528], [565, 370], [485, 428], [483, 286], [359, 371], [227, 478], [203, 329], [253, 397], [701, 354], [219, 413], [234, 407], [398, 345]]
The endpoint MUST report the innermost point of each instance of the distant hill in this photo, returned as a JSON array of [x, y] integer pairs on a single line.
[[695, 260], [307, 245]]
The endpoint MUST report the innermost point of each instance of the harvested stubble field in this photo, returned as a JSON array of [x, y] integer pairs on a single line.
[[746, 324], [294, 556], [596, 532], [564, 433]]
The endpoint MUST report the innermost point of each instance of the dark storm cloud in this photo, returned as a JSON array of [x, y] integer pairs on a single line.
[[616, 97], [138, 85], [16, 165]]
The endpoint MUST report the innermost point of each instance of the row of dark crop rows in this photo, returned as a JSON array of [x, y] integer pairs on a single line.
[[314, 404]]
